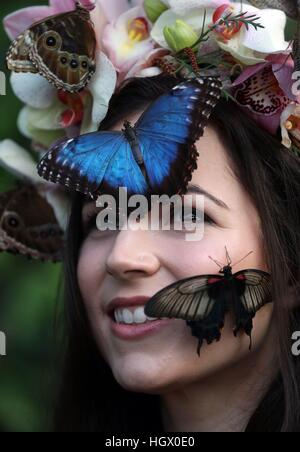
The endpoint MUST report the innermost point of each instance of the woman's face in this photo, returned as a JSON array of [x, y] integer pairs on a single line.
[[156, 357]]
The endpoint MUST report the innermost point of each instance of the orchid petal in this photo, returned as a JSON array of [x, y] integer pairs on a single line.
[[149, 72], [123, 53], [115, 8], [27, 124], [33, 89], [138, 52], [61, 6], [291, 109], [90, 5], [100, 21], [17, 161], [252, 46], [269, 39], [286, 141], [241, 53], [269, 123], [102, 87], [183, 7], [48, 119], [61, 204], [145, 67], [249, 72], [283, 69], [17, 22]]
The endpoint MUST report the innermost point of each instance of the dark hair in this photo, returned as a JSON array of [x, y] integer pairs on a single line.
[[90, 399]]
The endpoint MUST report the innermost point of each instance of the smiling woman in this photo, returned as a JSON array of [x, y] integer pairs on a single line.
[[125, 372]]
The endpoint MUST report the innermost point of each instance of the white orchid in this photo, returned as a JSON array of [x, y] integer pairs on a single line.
[[252, 46], [42, 119], [247, 46], [290, 124]]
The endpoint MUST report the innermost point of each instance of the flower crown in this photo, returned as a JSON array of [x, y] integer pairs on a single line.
[[252, 50]]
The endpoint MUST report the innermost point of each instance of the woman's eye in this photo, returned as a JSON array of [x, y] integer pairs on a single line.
[[190, 216]]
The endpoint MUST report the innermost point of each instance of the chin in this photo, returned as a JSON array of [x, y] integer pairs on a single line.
[[139, 372]]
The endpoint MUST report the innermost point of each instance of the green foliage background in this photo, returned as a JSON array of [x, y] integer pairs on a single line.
[[28, 301]]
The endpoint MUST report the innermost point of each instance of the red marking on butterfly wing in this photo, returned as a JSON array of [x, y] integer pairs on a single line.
[[261, 93]]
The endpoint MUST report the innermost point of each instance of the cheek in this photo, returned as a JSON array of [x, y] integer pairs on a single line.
[[91, 273], [184, 259]]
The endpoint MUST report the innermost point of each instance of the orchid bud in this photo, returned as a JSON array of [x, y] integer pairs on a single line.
[[154, 9], [180, 36]]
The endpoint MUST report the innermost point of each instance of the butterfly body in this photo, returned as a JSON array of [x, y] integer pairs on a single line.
[[156, 155], [28, 225], [203, 301], [131, 136], [62, 48]]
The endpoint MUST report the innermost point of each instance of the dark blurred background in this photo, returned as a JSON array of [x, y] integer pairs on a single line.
[[28, 300]]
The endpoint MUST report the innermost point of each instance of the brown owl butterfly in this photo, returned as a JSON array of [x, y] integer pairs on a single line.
[[61, 48], [28, 225]]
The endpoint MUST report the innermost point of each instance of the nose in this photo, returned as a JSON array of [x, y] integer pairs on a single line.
[[132, 257]]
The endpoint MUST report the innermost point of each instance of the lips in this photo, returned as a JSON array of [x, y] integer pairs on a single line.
[[133, 331]]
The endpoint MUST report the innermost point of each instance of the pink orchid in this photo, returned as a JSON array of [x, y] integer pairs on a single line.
[[22, 19], [147, 66], [265, 90], [128, 40], [115, 8]]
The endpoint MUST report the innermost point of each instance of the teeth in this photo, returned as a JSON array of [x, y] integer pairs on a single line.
[[132, 315], [127, 316]]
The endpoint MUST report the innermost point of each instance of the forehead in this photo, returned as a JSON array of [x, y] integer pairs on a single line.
[[215, 172]]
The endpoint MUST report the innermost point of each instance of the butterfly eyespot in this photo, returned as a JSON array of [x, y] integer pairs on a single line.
[[74, 64], [12, 221], [51, 41], [64, 60]]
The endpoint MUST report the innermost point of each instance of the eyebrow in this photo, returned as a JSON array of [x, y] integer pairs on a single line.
[[193, 188]]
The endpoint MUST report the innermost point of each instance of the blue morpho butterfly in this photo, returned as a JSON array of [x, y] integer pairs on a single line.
[[157, 155]]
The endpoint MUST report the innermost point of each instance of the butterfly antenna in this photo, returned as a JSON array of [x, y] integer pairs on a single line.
[[236, 263], [228, 258], [216, 262]]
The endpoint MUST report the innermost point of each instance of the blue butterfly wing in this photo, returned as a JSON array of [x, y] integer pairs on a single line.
[[93, 163], [168, 129], [166, 132], [123, 171]]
